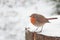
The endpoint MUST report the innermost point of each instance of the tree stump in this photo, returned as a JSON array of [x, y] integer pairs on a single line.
[[35, 36]]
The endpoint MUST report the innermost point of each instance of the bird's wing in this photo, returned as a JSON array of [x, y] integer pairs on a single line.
[[42, 19]]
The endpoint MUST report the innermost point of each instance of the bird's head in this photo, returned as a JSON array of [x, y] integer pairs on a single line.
[[34, 15]]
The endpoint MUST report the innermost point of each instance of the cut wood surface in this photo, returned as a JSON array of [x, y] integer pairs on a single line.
[[35, 36]]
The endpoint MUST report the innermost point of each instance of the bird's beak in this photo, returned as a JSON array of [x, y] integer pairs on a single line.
[[29, 16]]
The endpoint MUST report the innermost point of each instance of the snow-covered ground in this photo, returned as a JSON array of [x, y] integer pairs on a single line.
[[14, 20]]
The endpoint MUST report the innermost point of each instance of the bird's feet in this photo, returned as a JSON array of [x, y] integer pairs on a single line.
[[39, 31]]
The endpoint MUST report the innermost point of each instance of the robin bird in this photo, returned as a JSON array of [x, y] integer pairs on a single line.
[[39, 20]]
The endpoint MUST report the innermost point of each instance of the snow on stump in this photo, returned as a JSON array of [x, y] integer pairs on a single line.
[[51, 31], [34, 36]]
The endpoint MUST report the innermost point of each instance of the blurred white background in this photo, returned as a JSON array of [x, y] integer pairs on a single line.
[[14, 16]]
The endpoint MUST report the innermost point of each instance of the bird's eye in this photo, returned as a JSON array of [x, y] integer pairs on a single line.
[[35, 16]]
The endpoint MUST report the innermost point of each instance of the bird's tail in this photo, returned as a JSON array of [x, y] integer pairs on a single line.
[[51, 18]]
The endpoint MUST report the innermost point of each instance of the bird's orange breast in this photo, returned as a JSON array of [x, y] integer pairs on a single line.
[[33, 20]]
